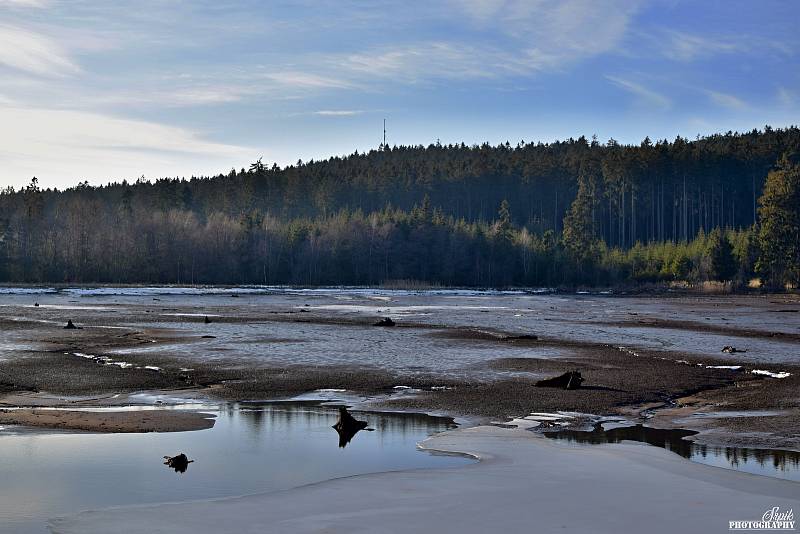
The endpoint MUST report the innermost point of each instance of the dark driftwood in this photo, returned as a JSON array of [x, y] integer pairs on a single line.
[[522, 337], [347, 426], [179, 463], [386, 321], [732, 350], [569, 380]]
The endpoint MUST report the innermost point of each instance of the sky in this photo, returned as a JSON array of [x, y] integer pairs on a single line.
[[105, 91]]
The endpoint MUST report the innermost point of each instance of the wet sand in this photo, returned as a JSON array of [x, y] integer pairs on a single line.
[[109, 421], [523, 483]]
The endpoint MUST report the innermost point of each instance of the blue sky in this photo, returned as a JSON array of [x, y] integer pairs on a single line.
[[100, 91]]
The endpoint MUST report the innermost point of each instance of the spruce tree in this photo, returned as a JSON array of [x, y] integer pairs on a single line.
[[779, 236], [720, 251]]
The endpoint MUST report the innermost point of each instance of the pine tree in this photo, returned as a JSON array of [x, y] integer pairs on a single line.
[[720, 251], [504, 221], [779, 235], [579, 234]]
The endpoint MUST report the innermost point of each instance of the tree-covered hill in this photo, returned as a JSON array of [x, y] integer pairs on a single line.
[[456, 215]]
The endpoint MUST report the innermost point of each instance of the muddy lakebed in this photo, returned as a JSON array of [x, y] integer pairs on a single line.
[[654, 373]]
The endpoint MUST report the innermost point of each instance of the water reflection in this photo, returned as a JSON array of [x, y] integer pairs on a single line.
[[252, 448], [770, 462]]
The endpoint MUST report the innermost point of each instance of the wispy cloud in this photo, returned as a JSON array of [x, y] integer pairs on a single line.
[[642, 92], [33, 53], [567, 30], [726, 100], [178, 97], [304, 80], [421, 62], [786, 97], [23, 3], [338, 112], [72, 145], [681, 46], [538, 37]]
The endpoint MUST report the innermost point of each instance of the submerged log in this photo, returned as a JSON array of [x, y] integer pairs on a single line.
[[732, 350], [386, 321], [347, 426], [569, 380], [179, 463]]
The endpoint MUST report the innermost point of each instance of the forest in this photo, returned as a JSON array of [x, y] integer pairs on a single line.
[[566, 213]]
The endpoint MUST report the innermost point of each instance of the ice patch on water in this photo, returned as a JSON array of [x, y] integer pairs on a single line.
[[27, 290], [105, 360], [364, 308], [73, 307], [781, 374], [261, 290], [537, 419], [191, 314]]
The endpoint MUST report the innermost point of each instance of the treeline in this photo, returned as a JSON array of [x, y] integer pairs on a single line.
[[573, 212]]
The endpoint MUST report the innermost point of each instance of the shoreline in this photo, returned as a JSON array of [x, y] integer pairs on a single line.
[[666, 289]]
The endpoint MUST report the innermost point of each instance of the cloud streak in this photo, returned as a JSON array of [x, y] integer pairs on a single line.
[[23, 3], [682, 46], [726, 100], [69, 146], [33, 53], [338, 112], [647, 95]]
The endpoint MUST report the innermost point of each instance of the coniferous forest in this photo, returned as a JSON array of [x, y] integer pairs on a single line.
[[575, 212]]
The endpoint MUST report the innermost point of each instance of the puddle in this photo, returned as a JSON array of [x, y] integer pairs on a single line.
[[768, 462], [253, 447]]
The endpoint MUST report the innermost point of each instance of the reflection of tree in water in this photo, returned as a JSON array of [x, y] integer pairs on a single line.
[[311, 414], [673, 440], [668, 439], [779, 459]]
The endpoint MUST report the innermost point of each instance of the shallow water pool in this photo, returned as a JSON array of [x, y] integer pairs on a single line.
[[768, 462], [253, 447]]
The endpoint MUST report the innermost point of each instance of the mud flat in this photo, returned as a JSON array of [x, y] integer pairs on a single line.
[[523, 483], [108, 421], [467, 354]]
